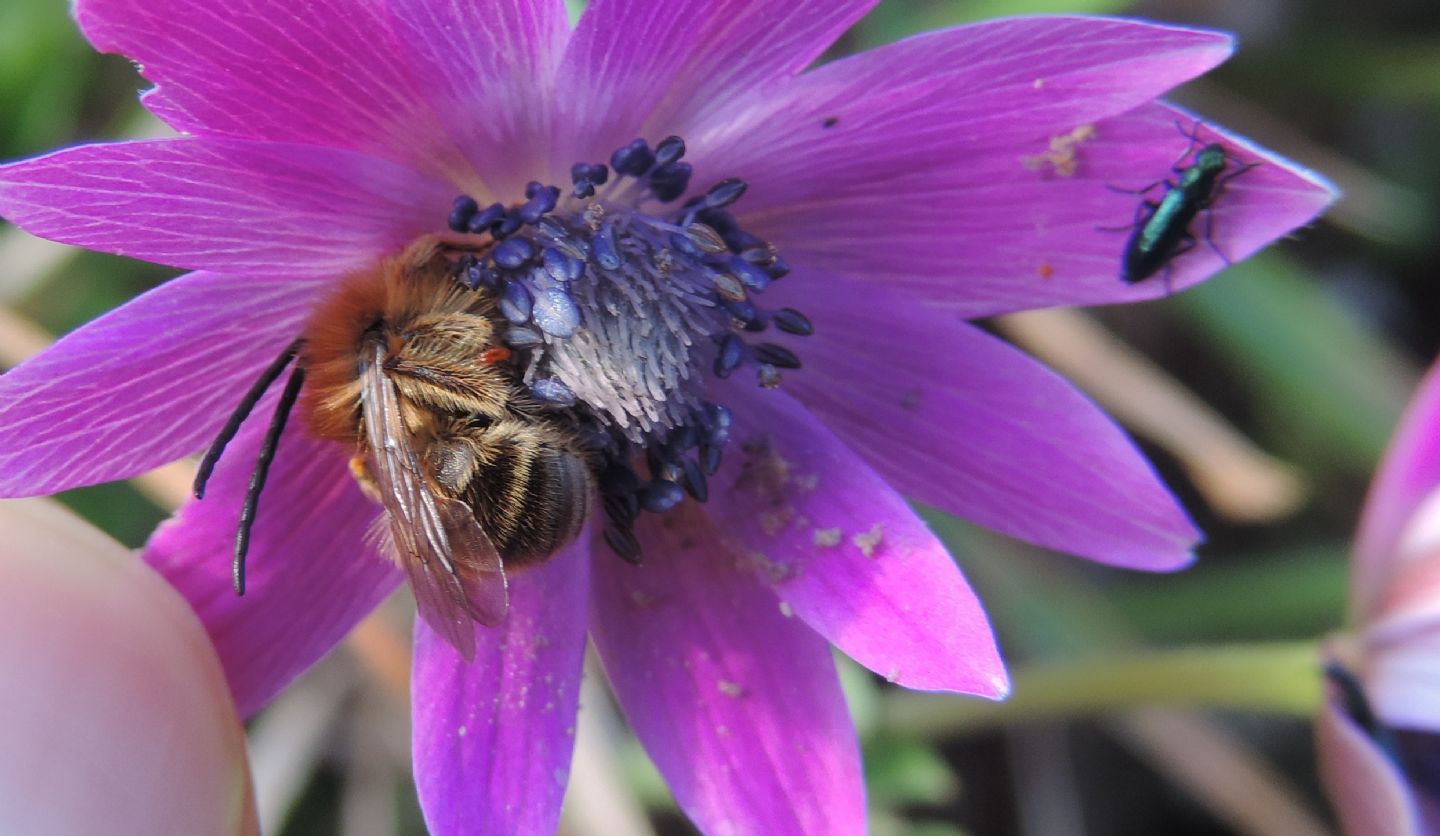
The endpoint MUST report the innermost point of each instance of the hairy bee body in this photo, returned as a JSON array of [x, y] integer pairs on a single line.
[[407, 365]]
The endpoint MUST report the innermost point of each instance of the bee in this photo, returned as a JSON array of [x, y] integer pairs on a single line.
[[406, 365]]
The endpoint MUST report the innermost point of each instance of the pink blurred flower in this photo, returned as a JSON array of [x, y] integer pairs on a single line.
[[908, 188], [117, 715], [1380, 741]]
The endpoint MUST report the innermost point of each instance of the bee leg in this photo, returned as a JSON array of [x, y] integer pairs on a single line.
[[262, 471], [237, 418], [360, 471]]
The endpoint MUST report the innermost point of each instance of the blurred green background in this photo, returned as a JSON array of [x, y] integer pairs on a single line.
[[1309, 351]]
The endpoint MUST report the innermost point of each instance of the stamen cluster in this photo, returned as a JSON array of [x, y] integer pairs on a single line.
[[615, 302]]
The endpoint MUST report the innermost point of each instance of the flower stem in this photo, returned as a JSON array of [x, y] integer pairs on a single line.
[[1280, 677]]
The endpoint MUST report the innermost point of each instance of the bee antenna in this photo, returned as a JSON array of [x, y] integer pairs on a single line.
[[262, 470], [242, 411]]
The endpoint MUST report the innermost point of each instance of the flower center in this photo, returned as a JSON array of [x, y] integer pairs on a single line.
[[619, 305]]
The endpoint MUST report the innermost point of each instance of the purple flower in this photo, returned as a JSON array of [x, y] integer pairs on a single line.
[[1379, 730], [953, 175]]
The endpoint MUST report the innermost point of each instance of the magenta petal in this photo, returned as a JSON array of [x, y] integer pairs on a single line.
[[492, 738], [312, 575], [637, 68], [102, 403], [961, 420], [930, 101], [1409, 472], [485, 67], [327, 72], [245, 208], [998, 231], [738, 705], [846, 554]]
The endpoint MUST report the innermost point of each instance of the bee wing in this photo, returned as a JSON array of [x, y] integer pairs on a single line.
[[454, 569]]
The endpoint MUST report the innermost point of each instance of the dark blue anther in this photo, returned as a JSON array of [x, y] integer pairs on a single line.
[[486, 218], [777, 269], [539, 204], [634, 159], [513, 253], [669, 149], [759, 323], [561, 267], [750, 275], [562, 238], [717, 219], [595, 173], [729, 288], [724, 193], [556, 313], [660, 496], [668, 470], [743, 309], [516, 303], [477, 275], [792, 321], [603, 248], [682, 438], [508, 225], [582, 190], [729, 356], [717, 425], [738, 240], [776, 355], [522, 338], [551, 391], [706, 238], [759, 256], [462, 211], [622, 540], [668, 182], [709, 459], [684, 244], [622, 507], [693, 479], [619, 478]]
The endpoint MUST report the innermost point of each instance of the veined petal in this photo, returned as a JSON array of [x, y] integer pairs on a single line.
[[845, 553], [738, 706], [997, 227], [328, 72], [102, 403], [233, 206], [485, 67], [638, 68], [312, 575], [492, 738], [930, 101], [1408, 474], [956, 418]]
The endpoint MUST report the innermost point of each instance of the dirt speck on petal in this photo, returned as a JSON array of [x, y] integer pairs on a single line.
[[869, 541]]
